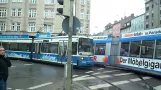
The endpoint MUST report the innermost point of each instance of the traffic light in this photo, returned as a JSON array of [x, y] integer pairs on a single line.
[[65, 11]]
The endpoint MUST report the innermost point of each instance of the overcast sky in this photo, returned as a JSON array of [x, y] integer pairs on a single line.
[[105, 11]]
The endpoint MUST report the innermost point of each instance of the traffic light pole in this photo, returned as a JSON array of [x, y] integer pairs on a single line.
[[69, 73]]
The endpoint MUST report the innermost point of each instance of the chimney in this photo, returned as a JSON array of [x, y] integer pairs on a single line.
[[115, 21], [132, 15]]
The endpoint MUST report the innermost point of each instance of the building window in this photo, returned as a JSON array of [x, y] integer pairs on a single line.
[[82, 2], [12, 26], [147, 25], [33, 1], [152, 14], [147, 8], [3, 12], [48, 28], [81, 28], [147, 17], [2, 26], [82, 14], [15, 26], [88, 3], [32, 13], [87, 17], [152, 24], [152, 5], [16, 12], [49, 13], [19, 12], [17, 0], [50, 1], [13, 12], [18, 26], [3, 1], [31, 27]]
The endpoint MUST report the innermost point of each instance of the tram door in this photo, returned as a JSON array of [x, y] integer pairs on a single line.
[[37, 50], [63, 46]]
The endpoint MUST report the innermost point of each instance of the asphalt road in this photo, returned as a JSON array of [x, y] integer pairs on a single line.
[[34, 76]]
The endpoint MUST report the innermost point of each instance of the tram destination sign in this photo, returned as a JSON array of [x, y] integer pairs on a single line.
[[13, 36], [142, 33]]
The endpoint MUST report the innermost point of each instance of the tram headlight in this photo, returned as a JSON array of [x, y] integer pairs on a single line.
[[81, 58]]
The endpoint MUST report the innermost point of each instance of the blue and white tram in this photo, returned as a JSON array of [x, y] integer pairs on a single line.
[[49, 49], [16, 46], [55, 50], [141, 51], [102, 51]]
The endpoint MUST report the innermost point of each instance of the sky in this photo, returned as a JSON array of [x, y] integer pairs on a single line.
[[105, 11]]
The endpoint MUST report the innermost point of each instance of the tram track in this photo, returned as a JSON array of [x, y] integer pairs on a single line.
[[147, 87]]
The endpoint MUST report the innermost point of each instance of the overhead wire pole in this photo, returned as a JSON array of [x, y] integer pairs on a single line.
[[69, 73]]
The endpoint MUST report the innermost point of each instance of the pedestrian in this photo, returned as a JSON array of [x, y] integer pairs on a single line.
[[4, 64]]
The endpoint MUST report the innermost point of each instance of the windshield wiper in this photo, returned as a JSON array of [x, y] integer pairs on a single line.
[[149, 86]]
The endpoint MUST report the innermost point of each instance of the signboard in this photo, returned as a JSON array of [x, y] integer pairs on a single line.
[[13, 36], [100, 58], [116, 30], [98, 37], [143, 63], [76, 25], [43, 35], [143, 33]]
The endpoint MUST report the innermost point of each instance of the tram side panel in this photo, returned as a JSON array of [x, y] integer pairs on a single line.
[[102, 52]]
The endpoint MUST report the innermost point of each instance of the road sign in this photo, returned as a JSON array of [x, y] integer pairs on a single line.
[[76, 25]]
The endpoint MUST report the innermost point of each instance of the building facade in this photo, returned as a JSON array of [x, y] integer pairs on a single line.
[[126, 24], [82, 11], [152, 14], [137, 23], [108, 29], [38, 16]]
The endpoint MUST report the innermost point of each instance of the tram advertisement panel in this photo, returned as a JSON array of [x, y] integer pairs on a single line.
[[152, 64], [100, 58]]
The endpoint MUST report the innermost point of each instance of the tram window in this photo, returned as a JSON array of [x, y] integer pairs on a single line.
[[33, 49], [5, 45], [60, 48], [53, 47], [45, 48], [74, 48], [147, 49], [124, 49], [63, 46], [158, 50], [100, 49], [24, 47], [135, 49], [14, 46]]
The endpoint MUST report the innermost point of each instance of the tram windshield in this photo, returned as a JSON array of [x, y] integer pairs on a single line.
[[85, 46]]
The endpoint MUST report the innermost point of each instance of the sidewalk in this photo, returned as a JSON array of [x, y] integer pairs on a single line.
[[75, 86]]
